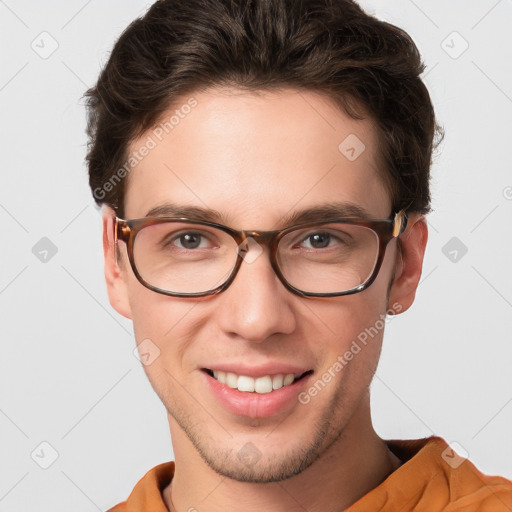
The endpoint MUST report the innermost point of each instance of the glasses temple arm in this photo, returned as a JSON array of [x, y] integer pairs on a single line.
[[400, 223]]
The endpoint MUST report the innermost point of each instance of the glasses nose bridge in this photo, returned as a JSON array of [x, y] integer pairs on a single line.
[[265, 238], [261, 238]]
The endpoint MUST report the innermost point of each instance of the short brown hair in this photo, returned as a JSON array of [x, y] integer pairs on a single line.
[[366, 66]]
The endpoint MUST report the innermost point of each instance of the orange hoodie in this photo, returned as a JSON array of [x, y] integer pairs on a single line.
[[432, 478]]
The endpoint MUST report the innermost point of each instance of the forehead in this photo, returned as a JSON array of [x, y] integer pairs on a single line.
[[256, 157]]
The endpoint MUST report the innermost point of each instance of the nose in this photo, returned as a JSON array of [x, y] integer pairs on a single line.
[[256, 305]]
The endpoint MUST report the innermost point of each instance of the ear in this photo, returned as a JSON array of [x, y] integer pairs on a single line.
[[115, 269], [409, 262]]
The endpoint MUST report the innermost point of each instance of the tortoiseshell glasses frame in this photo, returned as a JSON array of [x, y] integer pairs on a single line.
[[384, 229]]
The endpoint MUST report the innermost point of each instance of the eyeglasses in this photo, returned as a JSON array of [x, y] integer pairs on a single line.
[[183, 257]]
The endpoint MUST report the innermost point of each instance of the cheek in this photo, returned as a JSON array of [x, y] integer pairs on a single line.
[[340, 320], [150, 316], [346, 334], [156, 317], [345, 317], [388, 267], [168, 326]]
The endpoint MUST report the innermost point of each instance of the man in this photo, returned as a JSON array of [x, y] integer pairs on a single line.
[[264, 167]]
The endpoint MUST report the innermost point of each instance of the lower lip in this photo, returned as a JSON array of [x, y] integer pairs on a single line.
[[256, 405]]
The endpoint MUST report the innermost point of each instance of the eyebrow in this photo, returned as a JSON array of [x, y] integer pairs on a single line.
[[313, 214]]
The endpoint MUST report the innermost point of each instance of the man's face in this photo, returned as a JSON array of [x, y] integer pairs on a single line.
[[255, 159]]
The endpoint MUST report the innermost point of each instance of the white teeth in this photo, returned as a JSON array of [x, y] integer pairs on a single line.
[[277, 381], [263, 384], [288, 379], [231, 380], [220, 376], [260, 385], [245, 383]]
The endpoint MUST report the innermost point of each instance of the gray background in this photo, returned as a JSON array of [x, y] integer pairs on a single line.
[[68, 374]]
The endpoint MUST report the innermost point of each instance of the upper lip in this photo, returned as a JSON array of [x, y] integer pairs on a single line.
[[261, 370]]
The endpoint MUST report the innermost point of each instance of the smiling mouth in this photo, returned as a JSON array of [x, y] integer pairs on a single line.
[[264, 384]]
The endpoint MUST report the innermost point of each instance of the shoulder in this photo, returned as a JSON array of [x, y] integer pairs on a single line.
[[470, 489], [433, 476], [147, 493]]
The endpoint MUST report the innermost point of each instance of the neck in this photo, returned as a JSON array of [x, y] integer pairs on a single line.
[[357, 462]]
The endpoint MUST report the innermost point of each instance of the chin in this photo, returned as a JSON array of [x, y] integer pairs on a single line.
[[254, 467]]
